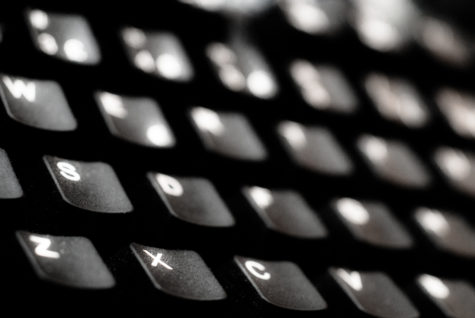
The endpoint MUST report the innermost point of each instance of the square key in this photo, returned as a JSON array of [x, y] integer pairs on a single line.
[[458, 167], [91, 186], [393, 161], [9, 186], [455, 298], [241, 68], [447, 231], [194, 200], [157, 53], [66, 260], [36, 103], [323, 87], [228, 134], [396, 99], [65, 36], [314, 148], [372, 223], [135, 119], [459, 110]]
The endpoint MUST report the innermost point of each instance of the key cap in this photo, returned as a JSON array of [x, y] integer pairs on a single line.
[[228, 134], [459, 110], [447, 231], [91, 186], [455, 298], [374, 293], [71, 261], [371, 222], [241, 68], [234, 9], [396, 99], [281, 284], [444, 41], [457, 167], [9, 186], [384, 25], [314, 148], [285, 211], [136, 119], [193, 200], [182, 274], [317, 17], [36, 103], [393, 161], [323, 87], [64, 36], [157, 53]]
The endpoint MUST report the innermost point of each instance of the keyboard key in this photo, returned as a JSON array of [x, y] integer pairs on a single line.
[[286, 212], [9, 186], [444, 41], [135, 119], [70, 261], [458, 168], [393, 161], [232, 8], [182, 274], [65, 36], [374, 293], [455, 298], [459, 110], [282, 284], [157, 53], [36, 103], [314, 148], [384, 25], [91, 186], [323, 87], [447, 231], [241, 68], [193, 200], [315, 16], [397, 100], [228, 134], [371, 222]]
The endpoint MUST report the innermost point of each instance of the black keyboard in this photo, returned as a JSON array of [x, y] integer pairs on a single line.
[[239, 158]]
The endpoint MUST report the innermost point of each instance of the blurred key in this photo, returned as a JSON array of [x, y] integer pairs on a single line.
[[447, 231], [458, 167], [455, 298], [193, 200], [315, 16], [179, 273], [36, 103], [372, 222], [241, 68], [228, 134], [9, 186], [282, 284], [374, 293], [233, 8], [158, 53], [445, 41], [393, 161], [65, 36], [67, 260], [314, 148], [384, 25], [136, 119], [459, 109], [91, 186], [285, 211], [397, 100], [323, 87]]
